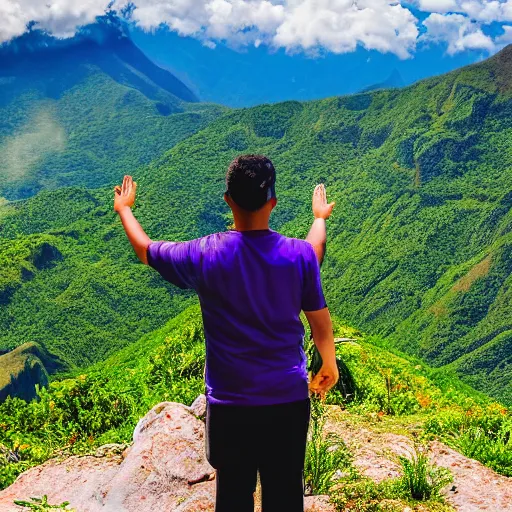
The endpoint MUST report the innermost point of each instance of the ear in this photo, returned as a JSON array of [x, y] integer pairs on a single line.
[[273, 202], [226, 199]]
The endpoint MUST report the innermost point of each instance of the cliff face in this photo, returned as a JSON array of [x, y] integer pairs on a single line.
[[23, 368]]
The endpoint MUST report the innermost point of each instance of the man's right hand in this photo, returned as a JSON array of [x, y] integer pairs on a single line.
[[321, 210], [324, 380]]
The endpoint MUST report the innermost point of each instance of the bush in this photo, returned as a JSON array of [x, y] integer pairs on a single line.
[[41, 504]]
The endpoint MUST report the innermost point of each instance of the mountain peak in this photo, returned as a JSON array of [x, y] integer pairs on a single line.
[[393, 80], [105, 30], [104, 44], [501, 65]]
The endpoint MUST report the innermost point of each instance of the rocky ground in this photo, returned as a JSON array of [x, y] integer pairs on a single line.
[[475, 487], [165, 469]]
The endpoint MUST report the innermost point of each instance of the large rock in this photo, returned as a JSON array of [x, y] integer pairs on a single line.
[[164, 469]]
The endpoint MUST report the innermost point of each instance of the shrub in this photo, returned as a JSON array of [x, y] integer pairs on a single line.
[[41, 504], [421, 479]]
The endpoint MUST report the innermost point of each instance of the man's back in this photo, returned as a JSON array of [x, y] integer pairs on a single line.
[[252, 286]]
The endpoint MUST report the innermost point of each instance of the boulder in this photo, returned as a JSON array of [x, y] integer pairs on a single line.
[[198, 407], [164, 469]]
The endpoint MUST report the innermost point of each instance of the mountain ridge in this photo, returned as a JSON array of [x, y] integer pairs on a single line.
[[73, 110], [423, 174]]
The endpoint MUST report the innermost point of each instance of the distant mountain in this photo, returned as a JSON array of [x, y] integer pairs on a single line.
[[75, 111], [105, 44], [244, 77], [394, 80]]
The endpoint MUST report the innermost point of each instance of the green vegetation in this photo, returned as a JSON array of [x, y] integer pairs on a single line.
[[23, 368], [420, 478], [85, 113], [361, 494], [41, 504], [75, 415], [324, 457], [104, 404], [419, 245]]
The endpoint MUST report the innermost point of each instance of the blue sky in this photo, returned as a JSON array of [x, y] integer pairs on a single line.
[[242, 52], [250, 76]]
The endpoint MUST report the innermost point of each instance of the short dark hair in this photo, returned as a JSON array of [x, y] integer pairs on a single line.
[[250, 181]]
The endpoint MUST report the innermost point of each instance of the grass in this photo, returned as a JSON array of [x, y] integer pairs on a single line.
[[329, 470], [41, 504], [421, 479], [324, 456]]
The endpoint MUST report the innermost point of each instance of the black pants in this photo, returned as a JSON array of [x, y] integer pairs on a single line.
[[271, 439]]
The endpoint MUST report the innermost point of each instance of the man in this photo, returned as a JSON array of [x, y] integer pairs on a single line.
[[252, 284]]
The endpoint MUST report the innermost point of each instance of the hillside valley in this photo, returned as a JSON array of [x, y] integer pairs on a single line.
[[419, 249], [85, 110]]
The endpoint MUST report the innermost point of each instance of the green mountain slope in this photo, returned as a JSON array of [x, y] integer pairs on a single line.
[[103, 404], [24, 367], [86, 110], [419, 247]]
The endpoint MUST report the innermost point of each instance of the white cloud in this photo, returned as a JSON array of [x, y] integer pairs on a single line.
[[506, 37], [458, 31], [61, 17], [342, 24], [437, 5], [296, 25], [485, 11]]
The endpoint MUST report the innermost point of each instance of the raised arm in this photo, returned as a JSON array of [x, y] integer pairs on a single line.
[[124, 198], [317, 235]]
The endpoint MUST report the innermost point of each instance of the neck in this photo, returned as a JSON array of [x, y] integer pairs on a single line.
[[250, 222]]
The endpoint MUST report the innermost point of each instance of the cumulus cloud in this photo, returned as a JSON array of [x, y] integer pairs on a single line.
[[506, 37], [296, 25], [61, 17], [340, 25], [337, 26], [485, 11], [458, 31]]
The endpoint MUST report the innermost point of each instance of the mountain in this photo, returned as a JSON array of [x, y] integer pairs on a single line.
[[25, 367], [419, 245], [75, 111], [102, 405], [393, 80]]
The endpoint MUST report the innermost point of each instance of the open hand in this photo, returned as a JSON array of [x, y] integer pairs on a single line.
[[324, 380], [125, 195], [321, 210]]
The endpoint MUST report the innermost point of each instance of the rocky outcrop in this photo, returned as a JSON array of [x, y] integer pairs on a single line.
[[164, 469]]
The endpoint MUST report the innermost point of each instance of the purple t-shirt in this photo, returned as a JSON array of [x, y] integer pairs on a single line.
[[252, 286]]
